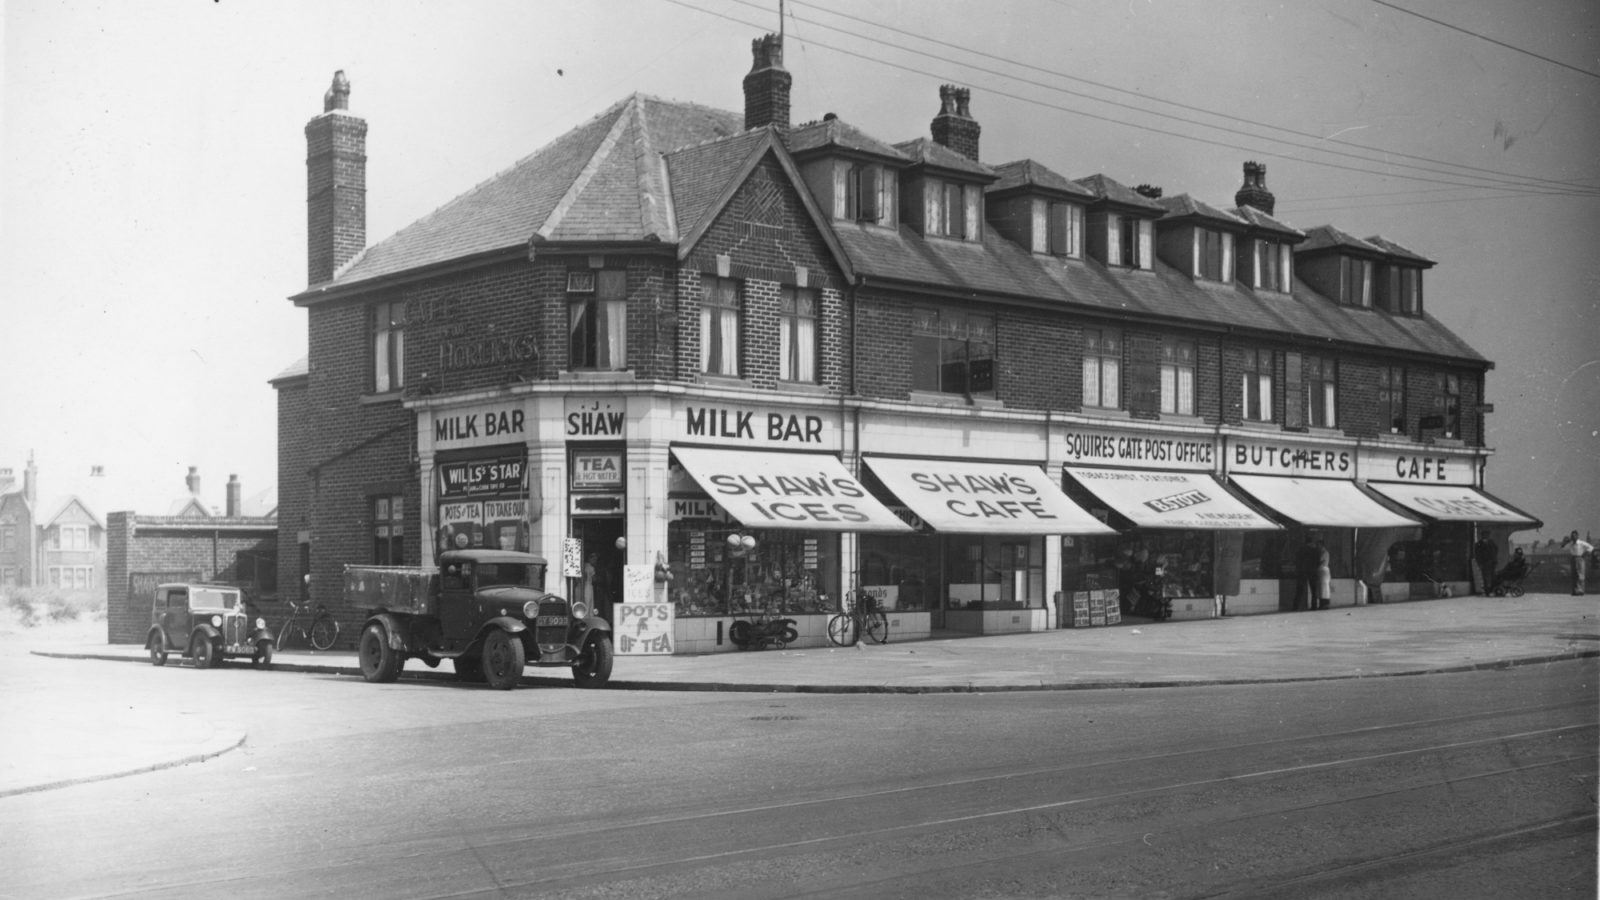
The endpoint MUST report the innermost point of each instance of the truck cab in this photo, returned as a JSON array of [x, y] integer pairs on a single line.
[[484, 610]]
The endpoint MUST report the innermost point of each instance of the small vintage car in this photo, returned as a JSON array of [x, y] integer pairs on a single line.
[[206, 622]]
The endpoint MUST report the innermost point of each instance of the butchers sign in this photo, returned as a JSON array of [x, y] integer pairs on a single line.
[[1300, 460]]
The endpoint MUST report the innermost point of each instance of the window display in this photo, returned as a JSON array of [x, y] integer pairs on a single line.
[[720, 568]]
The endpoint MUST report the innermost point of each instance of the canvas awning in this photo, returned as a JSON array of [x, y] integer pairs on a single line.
[[962, 496], [1454, 503], [1321, 502], [800, 491], [1160, 499]]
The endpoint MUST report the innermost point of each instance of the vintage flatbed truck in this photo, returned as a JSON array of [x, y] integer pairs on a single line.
[[484, 610]]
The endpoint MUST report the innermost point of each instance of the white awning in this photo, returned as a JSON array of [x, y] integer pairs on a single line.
[[1453, 503], [1323, 502], [1158, 499], [988, 497], [801, 491]]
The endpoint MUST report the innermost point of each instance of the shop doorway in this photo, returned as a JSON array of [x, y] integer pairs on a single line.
[[602, 561]]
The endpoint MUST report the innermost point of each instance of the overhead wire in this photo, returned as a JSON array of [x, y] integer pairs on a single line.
[[1550, 187], [1483, 37]]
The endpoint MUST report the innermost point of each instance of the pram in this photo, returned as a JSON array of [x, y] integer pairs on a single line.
[[1508, 581]]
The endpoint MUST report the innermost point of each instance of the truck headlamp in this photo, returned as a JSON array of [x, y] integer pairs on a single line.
[[580, 609], [530, 610]]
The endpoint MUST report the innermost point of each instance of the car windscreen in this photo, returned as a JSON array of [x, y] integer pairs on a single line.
[[211, 598], [491, 574]]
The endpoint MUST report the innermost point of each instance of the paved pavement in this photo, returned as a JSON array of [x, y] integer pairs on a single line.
[[1424, 637]]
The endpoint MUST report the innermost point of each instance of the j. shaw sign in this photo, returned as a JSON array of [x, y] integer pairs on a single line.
[[596, 419]]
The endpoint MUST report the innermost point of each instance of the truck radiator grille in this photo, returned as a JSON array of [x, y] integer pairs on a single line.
[[550, 628]]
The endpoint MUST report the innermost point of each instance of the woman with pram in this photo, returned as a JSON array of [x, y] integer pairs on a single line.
[[1511, 576]]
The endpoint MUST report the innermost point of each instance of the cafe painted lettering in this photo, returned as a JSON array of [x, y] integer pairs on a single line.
[[1421, 468]]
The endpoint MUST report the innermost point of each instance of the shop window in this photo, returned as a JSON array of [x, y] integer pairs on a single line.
[[1447, 404], [1321, 377], [1102, 368], [597, 320], [901, 571], [1392, 399], [388, 347], [1177, 377], [719, 327], [721, 569], [952, 352], [1256, 384], [989, 572], [797, 335], [388, 531]]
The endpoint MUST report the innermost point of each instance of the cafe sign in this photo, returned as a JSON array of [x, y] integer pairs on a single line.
[[1421, 465]]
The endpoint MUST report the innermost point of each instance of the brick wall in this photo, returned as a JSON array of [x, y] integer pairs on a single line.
[[336, 192], [209, 547]]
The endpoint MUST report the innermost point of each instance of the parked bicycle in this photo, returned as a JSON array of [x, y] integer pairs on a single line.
[[860, 616], [321, 632]]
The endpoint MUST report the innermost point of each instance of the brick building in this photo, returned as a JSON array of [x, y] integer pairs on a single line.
[[789, 361]]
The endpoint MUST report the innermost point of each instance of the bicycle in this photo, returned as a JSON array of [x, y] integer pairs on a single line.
[[860, 615], [321, 634]]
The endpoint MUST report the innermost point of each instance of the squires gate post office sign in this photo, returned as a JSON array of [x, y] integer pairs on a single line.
[[1139, 450]]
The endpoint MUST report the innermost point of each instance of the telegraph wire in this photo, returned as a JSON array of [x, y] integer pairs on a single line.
[[1530, 189], [1484, 37]]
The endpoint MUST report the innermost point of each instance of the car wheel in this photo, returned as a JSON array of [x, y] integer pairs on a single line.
[[468, 668], [205, 652], [263, 657], [158, 649], [380, 663], [503, 659], [593, 668]]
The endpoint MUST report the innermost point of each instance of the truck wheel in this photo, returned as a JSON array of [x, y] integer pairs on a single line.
[[158, 649], [503, 659], [593, 668], [205, 652], [379, 662], [263, 655], [468, 668]]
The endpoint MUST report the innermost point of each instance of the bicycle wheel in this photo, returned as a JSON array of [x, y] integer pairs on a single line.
[[877, 627], [283, 633], [842, 630], [324, 631]]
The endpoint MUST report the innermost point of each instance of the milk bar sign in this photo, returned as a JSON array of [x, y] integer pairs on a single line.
[[729, 424], [484, 425]]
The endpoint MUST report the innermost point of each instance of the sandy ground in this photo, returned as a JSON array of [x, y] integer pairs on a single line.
[[19, 637]]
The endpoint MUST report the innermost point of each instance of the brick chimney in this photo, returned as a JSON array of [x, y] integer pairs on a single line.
[[953, 126], [1254, 191], [233, 497], [30, 482], [766, 88], [336, 184], [193, 480]]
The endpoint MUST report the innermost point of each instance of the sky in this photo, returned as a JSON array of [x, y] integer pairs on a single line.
[[152, 173]]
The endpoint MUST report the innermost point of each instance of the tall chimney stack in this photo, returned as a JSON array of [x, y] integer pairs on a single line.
[[30, 483], [1254, 190], [336, 184], [766, 87], [233, 496], [954, 126]]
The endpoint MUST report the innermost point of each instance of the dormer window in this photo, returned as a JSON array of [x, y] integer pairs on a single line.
[[864, 192], [1213, 255], [1400, 289], [1064, 229], [953, 209], [1129, 240], [1273, 265], [1355, 281]]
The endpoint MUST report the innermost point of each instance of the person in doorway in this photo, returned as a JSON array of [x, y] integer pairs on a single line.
[[1306, 561], [1579, 550], [1324, 576], [1486, 553]]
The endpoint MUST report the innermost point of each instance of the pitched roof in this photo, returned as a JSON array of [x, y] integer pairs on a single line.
[[700, 175], [1185, 206], [1327, 237], [1113, 191], [600, 181], [838, 135], [1394, 249], [1026, 173], [928, 152], [1263, 222]]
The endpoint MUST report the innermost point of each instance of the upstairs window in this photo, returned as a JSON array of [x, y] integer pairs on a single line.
[[1321, 376], [1256, 383], [1102, 368], [952, 352], [388, 347], [597, 320], [1447, 404], [954, 209], [1177, 377], [8, 538], [865, 193], [1274, 267], [1129, 241], [719, 327], [1213, 255], [388, 531], [70, 537], [1400, 290], [797, 335], [1064, 229], [1355, 281], [1392, 399]]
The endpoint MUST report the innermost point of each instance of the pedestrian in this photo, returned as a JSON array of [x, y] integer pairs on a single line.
[[1580, 550], [1486, 553], [1324, 576], [1306, 562]]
